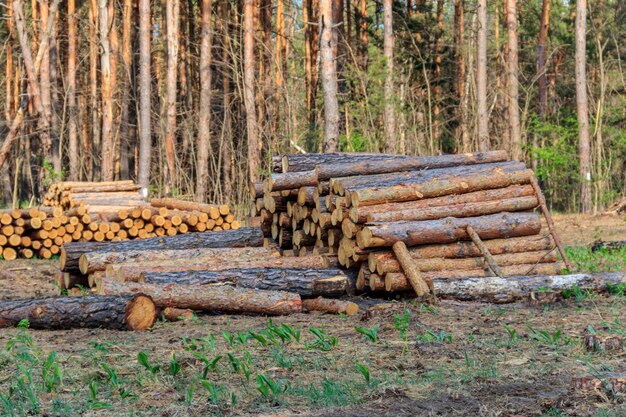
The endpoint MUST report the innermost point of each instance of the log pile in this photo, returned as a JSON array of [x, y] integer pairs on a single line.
[[456, 216], [41, 231], [98, 196]]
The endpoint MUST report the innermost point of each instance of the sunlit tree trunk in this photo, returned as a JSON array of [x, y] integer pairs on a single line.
[[90, 162], [44, 80], [204, 115], [106, 91], [145, 77], [249, 97], [438, 78], [462, 136], [171, 11], [542, 84], [481, 78], [389, 113], [227, 131], [74, 155], [515, 145], [329, 77], [126, 131], [582, 108]]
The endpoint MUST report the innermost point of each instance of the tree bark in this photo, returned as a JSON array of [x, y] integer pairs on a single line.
[[462, 136], [438, 79], [122, 312], [106, 91], [515, 145], [331, 306], [254, 146], [410, 269], [493, 226], [172, 13], [389, 92], [145, 79], [246, 236], [221, 298], [98, 261], [305, 282], [74, 155], [582, 108], [127, 134], [204, 113], [329, 77], [481, 78]]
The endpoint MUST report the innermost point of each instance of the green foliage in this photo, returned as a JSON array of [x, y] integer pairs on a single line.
[[545, 337], [430, 336], [364, 370], [602, 260], [142, 358], [513, 336], [322, 341], [370, 334]]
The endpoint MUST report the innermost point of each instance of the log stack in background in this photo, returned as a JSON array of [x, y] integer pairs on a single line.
[[103, 217], [459, 216]]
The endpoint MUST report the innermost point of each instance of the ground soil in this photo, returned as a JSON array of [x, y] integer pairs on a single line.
[[465, 359]]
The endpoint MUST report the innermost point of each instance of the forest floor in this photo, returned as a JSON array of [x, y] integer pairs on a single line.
[[399, 359]]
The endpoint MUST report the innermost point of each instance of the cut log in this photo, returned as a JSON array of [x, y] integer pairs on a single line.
[[494, 226], [331, 306], [496, 178], [487, 256], [172, 203], [176, 314], [210, 298], [308, 161], [328, 282], [98, 261], [410, 269], [132, 271], [124, 312], [245, 236], [291, 180]]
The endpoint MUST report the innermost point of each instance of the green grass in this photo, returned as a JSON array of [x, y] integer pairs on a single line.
[[600, 261]]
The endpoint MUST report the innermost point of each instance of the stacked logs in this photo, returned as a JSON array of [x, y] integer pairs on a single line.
[[42, 231], [457, 216], [98, 196], [226, 271]]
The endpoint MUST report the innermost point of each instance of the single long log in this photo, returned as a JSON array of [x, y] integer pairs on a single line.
[[98, 261], [410, 269], [132, 271], [516, 288], [361, 214], [487, 256], [245, 236], [172, 203], [308, 161], [124, 312], [458, 210], [397, 281], [493, 226], [209, 298], [390, 264], [175, 314], [331, 306], [308, 282], [495, 178], [291, 180]]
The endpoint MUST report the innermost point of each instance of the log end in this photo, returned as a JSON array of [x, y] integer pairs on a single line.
[[141, 313]]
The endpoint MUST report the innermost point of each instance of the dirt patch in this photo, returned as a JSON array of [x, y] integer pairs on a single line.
[[27, 278], [582, 230]]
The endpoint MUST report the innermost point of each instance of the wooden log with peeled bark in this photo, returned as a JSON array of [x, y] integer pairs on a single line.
[[308, 282], [132, 271], [487, 256], [361, 214], [177, 314], [410, 269], [172, 203], [291, 180], [330, 306], [123, 312], [245, 236], [493, 226], [308, 161], [210, 298], [397, 281], [496, 178], [98, 261]]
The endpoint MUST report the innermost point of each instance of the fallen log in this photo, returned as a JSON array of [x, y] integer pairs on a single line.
[[308, 161], [97, 261], [209, 298], [245, 236], [410, 269], [132, 271], [397, 281], [490, 179], [330, 306], [494, 226], [308, 282], [123, 312], [291, 181], [518, 288], [176, 314]]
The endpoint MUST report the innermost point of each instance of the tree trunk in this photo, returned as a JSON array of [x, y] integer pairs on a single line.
[[246, 236], [74, 155], [410, 269], [515, 145], [120, 312], [172, 12], [93, 143], [145, 80], [227, 144], [127, 133], [494, 226], [107, 92], [44, 80], [481, 78], [254, 146], [204, 113], [331, 306], [329, 77], [210, 298], [98, 261], [305, 282], [582, 108], [389, 109]]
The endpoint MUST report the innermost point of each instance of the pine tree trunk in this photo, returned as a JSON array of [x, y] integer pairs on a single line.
[[145, 79], [329, 77], [481, 78], [44, 80], [515, 140], [204, 114], [74, 155], [172, 12], [106, 89], [582, 108], [126, 130], [227, 141], [437, 76], [249, 97], [90, 163], [389, 109]]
